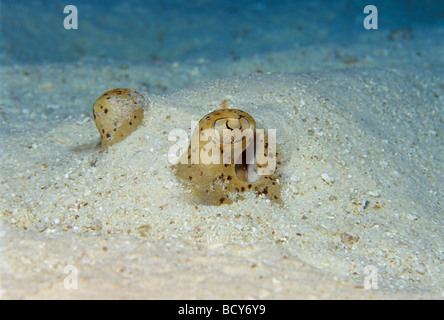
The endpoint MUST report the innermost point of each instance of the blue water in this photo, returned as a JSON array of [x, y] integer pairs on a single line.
[[179, 30]]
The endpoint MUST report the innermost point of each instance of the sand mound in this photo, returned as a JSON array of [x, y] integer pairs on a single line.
[[361, 162]]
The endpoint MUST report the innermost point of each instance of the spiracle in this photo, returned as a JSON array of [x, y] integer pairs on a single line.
[[117, 113], [225, 162]]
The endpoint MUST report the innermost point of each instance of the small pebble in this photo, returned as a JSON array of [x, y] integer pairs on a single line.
[[294, 188], [421, 268], [169, 185], [327, 178], [374, 193]]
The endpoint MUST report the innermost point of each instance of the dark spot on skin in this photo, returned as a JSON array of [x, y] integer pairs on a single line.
[[249, 186], [103, 130], [190, 177], [114, 129], [221, 200], [135, 117], [108, 135], [229, 178], [106, 110], [130, 123], [242, 189]]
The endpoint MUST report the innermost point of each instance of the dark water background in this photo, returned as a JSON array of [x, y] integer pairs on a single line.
[[185, 30]]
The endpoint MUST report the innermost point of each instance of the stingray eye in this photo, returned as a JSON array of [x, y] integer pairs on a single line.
[[117, 113], [233, 130], [227, 167]]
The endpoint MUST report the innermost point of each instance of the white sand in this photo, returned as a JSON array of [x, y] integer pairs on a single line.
[[362, 167]]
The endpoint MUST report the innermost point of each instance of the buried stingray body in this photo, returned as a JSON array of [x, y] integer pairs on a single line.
[[222, 177], [224, 162]]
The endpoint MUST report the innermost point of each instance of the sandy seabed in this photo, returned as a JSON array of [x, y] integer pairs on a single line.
[[361, 154]]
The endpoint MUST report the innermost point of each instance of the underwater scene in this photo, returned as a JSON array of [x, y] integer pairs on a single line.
[[209, 149]]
